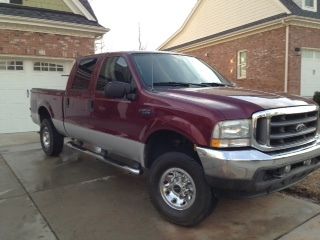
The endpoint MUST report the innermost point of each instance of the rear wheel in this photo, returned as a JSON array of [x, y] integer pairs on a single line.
[[51, 140], [179, 190]]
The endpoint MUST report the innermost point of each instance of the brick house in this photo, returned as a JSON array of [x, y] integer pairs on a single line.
[[38, 43], [271, 45]]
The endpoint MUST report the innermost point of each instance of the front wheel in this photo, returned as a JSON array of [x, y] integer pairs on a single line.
[[179, 190], [51, 140]]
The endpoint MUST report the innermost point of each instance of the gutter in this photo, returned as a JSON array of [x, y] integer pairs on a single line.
[[286, 65], [53, 24]]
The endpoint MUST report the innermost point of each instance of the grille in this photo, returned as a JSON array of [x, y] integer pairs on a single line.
[[284, 128]]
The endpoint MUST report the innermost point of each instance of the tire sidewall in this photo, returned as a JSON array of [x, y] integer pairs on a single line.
[[47, 124], [203, 200]]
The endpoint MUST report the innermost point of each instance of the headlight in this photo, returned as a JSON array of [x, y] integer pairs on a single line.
[[235, 133]]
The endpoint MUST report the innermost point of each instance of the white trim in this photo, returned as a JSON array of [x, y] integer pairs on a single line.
[[31, 57], [77, 8], [312, 9], [50, 25], [292, 20], [239, 65]]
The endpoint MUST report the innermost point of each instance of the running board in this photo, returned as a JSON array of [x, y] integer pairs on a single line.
[[135, 171]]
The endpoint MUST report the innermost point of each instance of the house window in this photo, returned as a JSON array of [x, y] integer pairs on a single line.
[[11, 65], [242, 64], [310, 5], [47, 67]]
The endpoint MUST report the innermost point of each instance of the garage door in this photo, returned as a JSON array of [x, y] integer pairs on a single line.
[[310, 72], [17, 77]]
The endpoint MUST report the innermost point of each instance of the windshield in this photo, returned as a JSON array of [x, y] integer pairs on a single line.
[[160, 69]]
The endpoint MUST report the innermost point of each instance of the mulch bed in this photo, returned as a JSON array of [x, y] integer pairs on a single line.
[[308, 188]]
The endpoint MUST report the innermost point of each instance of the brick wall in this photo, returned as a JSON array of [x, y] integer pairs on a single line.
[[266, 59], [300, 37], [43, 44]]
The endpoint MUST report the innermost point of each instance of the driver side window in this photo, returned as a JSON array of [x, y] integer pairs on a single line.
[[114, 69]]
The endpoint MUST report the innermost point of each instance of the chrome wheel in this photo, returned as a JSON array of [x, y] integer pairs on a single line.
[[177, 188], [46, 137]]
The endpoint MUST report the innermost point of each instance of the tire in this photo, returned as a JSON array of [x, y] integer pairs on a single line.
[[51, 141], [201, 201]]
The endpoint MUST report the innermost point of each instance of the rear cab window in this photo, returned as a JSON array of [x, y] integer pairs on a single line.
[[84, 73]]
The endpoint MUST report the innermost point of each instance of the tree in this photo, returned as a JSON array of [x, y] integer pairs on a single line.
[[141, 47]]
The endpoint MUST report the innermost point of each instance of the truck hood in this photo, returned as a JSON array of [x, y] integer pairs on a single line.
[[240, 101]]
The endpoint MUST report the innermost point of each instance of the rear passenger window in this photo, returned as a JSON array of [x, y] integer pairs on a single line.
[[114, 69], [84, 73]]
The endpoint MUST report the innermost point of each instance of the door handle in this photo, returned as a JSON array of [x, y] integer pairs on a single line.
[[91, 105], [67, 102]]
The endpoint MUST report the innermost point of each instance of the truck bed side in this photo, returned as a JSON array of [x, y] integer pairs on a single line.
[[48, 101]]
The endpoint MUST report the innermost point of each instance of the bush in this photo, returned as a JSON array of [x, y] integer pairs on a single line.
[[316, 97]]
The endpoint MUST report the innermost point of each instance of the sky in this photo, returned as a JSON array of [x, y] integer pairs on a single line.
[[158, 20]]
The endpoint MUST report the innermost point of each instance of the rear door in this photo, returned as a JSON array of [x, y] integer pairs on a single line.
[[78, 103]]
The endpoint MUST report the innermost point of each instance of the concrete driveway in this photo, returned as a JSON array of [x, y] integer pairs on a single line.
[[76, 197]]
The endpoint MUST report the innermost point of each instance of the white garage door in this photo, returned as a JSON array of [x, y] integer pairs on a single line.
[[310, 72], [17, 77]]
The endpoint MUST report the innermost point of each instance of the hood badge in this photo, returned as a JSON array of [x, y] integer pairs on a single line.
[[301, 127]]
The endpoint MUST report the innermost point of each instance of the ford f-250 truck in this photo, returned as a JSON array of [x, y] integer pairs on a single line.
[[198, 135]]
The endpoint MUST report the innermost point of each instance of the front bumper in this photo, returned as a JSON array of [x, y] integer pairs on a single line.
[[252, 172]]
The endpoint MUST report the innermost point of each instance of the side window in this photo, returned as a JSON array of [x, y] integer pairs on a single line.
[[114, 69], [242, 64], [84, 73]]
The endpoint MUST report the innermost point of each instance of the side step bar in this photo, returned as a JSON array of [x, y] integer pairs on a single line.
[[135, 171]]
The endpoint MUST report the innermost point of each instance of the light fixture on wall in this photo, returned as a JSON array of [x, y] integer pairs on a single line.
[[206, 54], [297, 51]]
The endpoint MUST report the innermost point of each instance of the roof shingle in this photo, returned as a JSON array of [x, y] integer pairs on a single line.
[[296, 10], [40, 13]]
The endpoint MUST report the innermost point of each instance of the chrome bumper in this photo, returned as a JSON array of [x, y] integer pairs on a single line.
[[243, 164]]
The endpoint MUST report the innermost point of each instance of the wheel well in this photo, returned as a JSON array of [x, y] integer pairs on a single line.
[[165, 141], [43, 114]]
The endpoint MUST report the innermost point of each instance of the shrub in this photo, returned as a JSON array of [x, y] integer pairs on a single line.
[[316, 97]]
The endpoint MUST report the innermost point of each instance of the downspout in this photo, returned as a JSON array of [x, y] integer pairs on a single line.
[[286, 68]]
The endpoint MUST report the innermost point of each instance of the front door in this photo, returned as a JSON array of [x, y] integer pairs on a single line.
[[117, 119]]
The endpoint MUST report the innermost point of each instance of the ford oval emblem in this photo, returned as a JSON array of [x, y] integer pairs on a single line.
[[301, 127]]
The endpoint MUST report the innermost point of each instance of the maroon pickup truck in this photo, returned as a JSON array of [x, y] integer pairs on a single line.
[[199, 136]]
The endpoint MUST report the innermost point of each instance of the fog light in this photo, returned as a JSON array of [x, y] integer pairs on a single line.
[[307, 162], [287, 169]]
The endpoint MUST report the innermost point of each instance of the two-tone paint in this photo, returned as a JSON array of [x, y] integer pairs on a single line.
[[123, 127]]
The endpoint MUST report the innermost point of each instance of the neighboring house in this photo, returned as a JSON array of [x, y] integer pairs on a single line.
[[39, 40], [271, 45]]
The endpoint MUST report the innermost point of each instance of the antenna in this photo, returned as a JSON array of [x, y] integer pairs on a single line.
[[152, 68]]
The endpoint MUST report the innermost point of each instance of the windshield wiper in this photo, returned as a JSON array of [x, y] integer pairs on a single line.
[[171, 84], [213, 84]]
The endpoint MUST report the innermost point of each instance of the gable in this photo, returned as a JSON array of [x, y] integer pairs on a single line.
[[211, 17], [58, 5]]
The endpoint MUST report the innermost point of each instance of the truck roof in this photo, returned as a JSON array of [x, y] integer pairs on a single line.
[[130, 52]]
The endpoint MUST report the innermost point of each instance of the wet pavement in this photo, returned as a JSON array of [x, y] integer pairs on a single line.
[[75, 196]]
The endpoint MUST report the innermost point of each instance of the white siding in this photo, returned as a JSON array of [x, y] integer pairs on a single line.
[[214, 16]]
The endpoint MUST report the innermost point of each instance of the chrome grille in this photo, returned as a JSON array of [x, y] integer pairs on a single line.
[[284, 128]]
